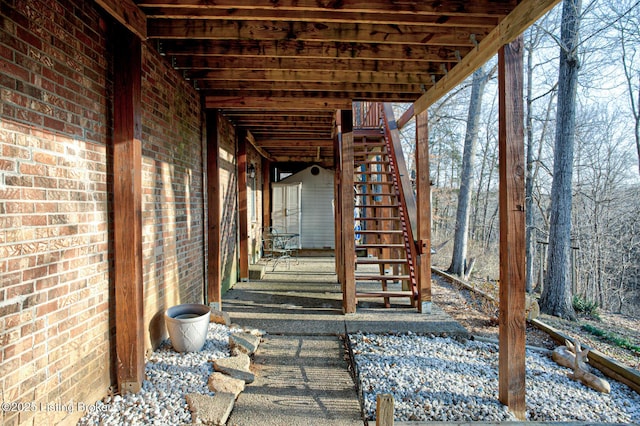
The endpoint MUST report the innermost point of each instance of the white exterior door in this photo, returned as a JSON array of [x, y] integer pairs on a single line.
[[286, 209]]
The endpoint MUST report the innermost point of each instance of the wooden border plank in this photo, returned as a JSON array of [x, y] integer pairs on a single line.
[[127, 211], [512, 323], [214, 266], [610, 367], [423, 201]]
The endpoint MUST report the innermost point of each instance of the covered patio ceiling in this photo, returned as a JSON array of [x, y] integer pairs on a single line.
[[281, 68]]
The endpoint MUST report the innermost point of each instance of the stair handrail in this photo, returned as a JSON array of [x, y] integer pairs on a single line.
[[407, 197], [367, 114]]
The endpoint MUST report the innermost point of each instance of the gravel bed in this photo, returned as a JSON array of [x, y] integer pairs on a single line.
[[169, 376], [442, 379]]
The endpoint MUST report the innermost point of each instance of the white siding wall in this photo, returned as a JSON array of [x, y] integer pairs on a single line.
[[317, 208]]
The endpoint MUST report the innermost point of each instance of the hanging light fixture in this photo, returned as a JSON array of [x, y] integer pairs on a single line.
[[251, 171]]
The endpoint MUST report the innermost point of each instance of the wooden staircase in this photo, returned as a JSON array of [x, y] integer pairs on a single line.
[[383, 236]]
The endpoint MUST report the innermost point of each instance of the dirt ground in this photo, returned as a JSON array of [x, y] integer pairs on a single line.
[[481, 319]]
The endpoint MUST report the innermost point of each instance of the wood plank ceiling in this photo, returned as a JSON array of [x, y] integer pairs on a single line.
[[281, 68]]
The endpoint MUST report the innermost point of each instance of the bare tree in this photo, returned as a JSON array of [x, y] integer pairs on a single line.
[[459, 259], [557, 296], [629, 39]]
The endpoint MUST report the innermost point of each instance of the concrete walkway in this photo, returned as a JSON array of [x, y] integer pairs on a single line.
[[302, 375]]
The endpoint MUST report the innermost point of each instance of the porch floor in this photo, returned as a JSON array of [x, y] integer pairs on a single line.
[[302, 373], [305, 299]]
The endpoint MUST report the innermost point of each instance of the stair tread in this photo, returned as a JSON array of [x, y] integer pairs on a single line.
[[377, 218], [362, 246], [380, 277], [370, 261], [383, 293], [380, 231], [374, 183]]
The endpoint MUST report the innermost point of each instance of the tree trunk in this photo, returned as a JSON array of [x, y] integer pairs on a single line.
[[556, 297], [528, 191], [461, 236]]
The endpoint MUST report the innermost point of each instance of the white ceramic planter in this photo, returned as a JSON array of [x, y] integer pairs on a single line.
[[187, 325]]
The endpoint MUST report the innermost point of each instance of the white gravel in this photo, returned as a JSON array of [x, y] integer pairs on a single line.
[[169, 377], [441, 379]]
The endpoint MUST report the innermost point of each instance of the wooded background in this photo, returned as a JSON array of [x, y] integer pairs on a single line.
[[605, 184]]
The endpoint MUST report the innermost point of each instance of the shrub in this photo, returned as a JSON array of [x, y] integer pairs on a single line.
[[586, 308], [612, 338]]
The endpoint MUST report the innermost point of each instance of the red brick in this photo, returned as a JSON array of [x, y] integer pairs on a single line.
[[19, 290], [7, 165], [54, 124], [46, 309]]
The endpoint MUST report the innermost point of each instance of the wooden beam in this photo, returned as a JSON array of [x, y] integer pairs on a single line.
[[128, 14], [337, 208], [482, 8], [257, 147], [305, 31], [275, 103], [347, 206], [127, 211], [521, 18], [313, 50], [392, 17], [317, 64], [406, 116], [266, 193], [295, 143], [243, 210], [214, 209], [511, 362], [423, 201], [297, 99], [325, 161], [327, 88], [313, 76]]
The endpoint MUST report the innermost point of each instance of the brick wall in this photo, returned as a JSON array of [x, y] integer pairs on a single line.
[[55, 77], [229, 199], [54, 241], [172, 181]]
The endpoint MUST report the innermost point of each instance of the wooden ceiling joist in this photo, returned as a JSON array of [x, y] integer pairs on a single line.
[[298, 49], [253, 59], [311, 64], [309, 31], [480, 8], [263, 103]]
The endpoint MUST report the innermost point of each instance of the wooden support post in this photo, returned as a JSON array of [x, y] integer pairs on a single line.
[[512, 229], [214, 267], [127, 211], [384, 409], [348, 234], [243, 210], [266, 193], [337, 187], [423, 201]]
